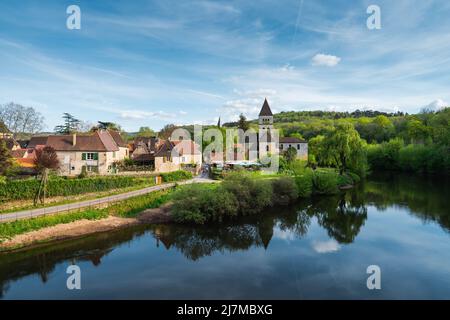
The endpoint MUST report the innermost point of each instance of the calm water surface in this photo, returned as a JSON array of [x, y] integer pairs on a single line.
[[318, 248]]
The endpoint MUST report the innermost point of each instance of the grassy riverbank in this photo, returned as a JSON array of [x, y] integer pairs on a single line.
[[127, 208]]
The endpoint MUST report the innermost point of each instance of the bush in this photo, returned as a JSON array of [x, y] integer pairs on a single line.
[[325, 182], [26, 189], [199, 203], [176, 176], [304, 182], [253, 195], [284, 191]]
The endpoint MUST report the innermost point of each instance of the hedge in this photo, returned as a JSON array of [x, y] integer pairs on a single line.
[[26, 189], [176, 176]]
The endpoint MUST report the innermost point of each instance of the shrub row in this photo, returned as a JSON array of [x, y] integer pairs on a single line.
[[26, 189], [176, 176], [394, 155]]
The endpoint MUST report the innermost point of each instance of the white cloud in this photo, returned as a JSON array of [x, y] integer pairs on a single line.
[[321, 59], [140, 115], [437, 105], [325, 246]]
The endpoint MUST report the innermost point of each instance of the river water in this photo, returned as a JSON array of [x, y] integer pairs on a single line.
[[319, 248]]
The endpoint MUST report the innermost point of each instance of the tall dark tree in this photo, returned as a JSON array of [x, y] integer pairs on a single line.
[[243, 123], [70, 124], [108, 125], [46, 160]]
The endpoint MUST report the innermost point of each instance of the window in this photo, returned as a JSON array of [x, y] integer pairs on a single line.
[[267, 148], [89, 156], [298, 146], [114, 154], [91, 168], [183, 159], [290, 145]]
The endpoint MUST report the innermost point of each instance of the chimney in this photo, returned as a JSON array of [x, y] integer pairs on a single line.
[[74, 139]]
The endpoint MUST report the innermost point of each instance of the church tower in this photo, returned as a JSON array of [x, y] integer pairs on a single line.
[[265, 117], [266, 142]]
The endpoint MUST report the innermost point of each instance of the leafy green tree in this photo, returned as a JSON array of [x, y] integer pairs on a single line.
[[146, 132], [290, 155], [417, 131], [344, 149], [243, 123]]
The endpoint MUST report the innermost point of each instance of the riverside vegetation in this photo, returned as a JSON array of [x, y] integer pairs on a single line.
[[242, 193]]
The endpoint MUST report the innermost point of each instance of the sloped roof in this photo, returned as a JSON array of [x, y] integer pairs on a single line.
[[36, 141], [98, 141], [186, 147], [116, 135], [265, 110]]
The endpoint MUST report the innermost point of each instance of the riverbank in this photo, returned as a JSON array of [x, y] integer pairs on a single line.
[[84, 227]]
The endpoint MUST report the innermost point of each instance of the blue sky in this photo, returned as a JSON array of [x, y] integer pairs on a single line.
[[149, 63]]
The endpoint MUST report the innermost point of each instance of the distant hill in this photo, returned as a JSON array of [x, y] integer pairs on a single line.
[[294, 116]]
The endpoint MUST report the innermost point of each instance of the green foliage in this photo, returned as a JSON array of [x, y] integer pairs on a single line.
[[240, 194], [252, 195], [26, 189], [10, 229], [176, 176], [6, 161], [284, 191], [325, 182], [304, 181], [126, 208], [290, 155], [199, 203]]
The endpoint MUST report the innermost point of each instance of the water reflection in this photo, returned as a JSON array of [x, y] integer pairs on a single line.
[[343, 217]]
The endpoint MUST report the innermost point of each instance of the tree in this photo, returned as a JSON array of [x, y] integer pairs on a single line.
[[243, 123], [6, 160], [417, 131], [21, 120], [105, 125], [166, 131], [290, 155], [46, 160], [146, 132], [71, 124], [344, 149]]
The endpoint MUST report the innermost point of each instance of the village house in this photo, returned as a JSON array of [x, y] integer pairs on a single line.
[[95, 152], [166, 155]]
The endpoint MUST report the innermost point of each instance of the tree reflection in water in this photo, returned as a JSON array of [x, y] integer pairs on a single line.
[[341, 216]]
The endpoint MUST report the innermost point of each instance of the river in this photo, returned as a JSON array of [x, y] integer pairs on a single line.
[[319, 248]]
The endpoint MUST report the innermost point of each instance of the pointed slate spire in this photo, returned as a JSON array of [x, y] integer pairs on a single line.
[[265, 110]]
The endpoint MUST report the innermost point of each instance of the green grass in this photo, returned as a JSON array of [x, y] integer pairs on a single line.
[[127, 208]]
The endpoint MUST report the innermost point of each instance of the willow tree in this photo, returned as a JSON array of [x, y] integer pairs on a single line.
[[46, 160], [344, 149]]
